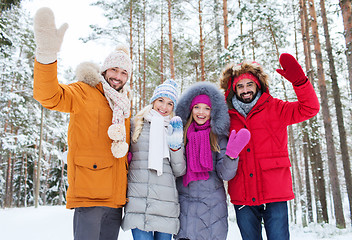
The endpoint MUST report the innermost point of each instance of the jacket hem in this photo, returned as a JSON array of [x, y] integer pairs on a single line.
[[262, 201]]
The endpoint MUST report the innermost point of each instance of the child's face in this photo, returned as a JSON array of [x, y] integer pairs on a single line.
[[201, 113], [163, 106]]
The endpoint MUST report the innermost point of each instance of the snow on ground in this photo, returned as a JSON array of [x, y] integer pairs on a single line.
[[55, 223]]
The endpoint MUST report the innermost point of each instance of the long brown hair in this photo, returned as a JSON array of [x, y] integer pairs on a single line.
[[212, 136]]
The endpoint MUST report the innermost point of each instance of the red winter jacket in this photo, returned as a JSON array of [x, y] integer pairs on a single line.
[[263, 174]]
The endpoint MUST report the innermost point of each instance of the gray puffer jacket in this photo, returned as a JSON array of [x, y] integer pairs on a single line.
[[203, 203], [152, 200]]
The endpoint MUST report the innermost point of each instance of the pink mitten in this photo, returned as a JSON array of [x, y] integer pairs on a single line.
[[291, 70], [129, 157], [237, 141]]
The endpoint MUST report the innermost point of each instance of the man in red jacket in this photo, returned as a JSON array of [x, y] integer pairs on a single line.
[[263, 185]]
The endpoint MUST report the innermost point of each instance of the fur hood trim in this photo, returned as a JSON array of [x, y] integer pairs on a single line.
[[88, 72], [234, 70], [219, 117]]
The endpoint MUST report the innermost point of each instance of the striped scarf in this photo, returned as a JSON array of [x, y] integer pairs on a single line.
[[120, 105]]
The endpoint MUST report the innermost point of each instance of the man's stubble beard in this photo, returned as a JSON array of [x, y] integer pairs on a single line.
[[240, 98]]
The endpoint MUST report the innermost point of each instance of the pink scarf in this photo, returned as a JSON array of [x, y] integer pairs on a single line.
[[198, 152]]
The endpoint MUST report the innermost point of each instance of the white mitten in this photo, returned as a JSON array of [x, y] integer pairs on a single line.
[[47, 37]]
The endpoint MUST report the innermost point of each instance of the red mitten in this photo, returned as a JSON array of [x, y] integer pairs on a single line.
[[237, 141], [292, 71]]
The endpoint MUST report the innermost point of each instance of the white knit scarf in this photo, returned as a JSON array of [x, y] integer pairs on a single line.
[[120, 105], [158, 147]]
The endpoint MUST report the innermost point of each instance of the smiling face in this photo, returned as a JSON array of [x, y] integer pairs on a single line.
[[201, 113], [163, 105], [116, 77], [246, 90]]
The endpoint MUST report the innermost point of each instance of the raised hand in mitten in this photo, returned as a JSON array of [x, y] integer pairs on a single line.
[[292, 71], [175, 133], [237, 141], [47, 37]]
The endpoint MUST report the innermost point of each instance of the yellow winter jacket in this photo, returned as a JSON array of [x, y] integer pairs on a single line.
[[95, 176]]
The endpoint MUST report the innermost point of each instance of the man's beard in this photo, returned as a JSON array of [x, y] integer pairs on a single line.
[[246, 100], [115, 87]]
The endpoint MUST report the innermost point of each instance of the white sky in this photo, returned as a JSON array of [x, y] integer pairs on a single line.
[[79, 15]]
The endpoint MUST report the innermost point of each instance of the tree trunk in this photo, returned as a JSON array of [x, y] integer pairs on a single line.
[[9, 108], [171, 47], [295, 174], [201, 42], [297, 171], [252, 41], [144, 53], [197, 72], [338, 207], [347, 23], [62, 185], [46, 175], [20, 182], [314, 168], [37, 180], [8, 182], [313, 136], [218, 34], [9, 178], [226, 28], [162, 43], [25, 179], [131, 39], [241, 31], [305, 204], [12, 175], [338, 108], [139, 68], [306, 146]]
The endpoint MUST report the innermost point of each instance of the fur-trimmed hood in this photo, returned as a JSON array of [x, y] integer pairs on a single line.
[[89, 73], [219, 117], [234, 70]]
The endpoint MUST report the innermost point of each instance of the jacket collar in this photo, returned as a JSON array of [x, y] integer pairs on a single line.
[[88, 72], [264, 98]]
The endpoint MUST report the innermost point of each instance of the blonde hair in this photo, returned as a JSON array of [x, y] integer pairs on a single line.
[[212, 136], [138, 121]]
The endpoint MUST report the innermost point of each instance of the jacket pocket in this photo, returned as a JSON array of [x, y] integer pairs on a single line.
[[94, 177], [276, 179]]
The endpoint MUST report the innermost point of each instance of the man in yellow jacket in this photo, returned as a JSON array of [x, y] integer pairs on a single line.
[[98, 131]]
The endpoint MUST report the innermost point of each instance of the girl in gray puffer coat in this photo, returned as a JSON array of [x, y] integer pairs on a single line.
[[153, 208], [211, 158]]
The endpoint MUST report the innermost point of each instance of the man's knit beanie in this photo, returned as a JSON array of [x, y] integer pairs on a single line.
[[119, 58]]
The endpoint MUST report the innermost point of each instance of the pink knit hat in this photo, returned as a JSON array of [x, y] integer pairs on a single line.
[[202, 98]]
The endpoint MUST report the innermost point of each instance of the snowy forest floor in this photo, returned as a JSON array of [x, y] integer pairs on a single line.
[[55, 222]]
